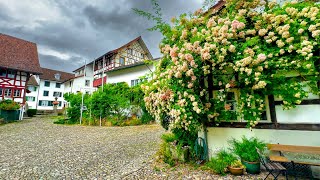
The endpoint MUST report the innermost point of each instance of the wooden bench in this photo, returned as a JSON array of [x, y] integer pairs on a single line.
[[280, 148], [295, 167]]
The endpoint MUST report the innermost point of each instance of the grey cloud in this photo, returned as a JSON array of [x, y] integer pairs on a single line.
[[89, 30]]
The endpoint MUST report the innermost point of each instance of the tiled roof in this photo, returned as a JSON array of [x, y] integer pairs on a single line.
[[32, 81], [19, 54], [215, 8], [50, 74]]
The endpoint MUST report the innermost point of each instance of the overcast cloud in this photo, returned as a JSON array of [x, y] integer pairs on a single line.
[[68, 32]]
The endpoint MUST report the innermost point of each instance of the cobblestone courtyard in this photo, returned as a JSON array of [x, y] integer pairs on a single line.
[[38, 149]]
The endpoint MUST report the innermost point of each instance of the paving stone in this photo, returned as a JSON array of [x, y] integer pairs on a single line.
[[38, 149]]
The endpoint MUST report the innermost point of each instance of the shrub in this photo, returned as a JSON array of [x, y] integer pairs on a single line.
[[31, 112], [168, 137], [246, 148], [221, 161], [9, 105]]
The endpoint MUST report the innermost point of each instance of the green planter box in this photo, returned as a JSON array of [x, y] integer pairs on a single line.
[[10, 115]]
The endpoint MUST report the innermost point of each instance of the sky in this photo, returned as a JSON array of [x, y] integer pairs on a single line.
[[70, 32]]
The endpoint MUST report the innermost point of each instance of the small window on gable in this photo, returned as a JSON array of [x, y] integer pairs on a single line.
[[130, 51]]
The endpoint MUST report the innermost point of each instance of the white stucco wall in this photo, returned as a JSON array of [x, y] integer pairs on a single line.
[[128, 74], [78, 84], [218, 137], [51, 90]]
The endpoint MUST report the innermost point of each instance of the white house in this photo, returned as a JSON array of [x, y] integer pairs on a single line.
[[124, 64], [18, 62], [82, 80], [51, 84]]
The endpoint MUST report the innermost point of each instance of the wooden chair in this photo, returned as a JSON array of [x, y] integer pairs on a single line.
[[275, 169]]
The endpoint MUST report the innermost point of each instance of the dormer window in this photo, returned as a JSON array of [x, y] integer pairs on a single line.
[[57, 76]]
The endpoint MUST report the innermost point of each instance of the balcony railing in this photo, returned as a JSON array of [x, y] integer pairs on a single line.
[[98, 82]]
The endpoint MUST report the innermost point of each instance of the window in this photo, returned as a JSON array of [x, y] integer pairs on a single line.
[[11, 74], [45, 93], [57, 94], [129, 51], [135, 82], [87, 83], [7, 92], [3, 73], [121, 61], [30, 98], [142, 55], [58, 85], [230, 107], [43, 103], [17, 93], [57, 76], [47, 83], [1, 92]]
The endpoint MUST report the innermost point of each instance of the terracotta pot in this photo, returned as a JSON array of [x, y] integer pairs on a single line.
[[235, 171]]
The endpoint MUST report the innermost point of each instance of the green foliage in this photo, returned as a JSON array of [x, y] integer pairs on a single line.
[[221, 161], [246, 148], [75, 101], [9, 105], [113, 100], [168, 137], [31, 112], [218, 165]]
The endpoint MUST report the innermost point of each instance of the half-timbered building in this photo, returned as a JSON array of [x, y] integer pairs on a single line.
[[94, 74], [18, 61]]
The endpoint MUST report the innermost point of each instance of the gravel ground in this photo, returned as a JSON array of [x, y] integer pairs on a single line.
[[38, 149]]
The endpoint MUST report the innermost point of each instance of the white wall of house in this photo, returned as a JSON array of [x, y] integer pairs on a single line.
[[46, 94], [32, 97], [82, 83], [218, 137], [128, 74]]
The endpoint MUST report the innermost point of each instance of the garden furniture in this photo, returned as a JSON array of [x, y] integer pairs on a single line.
[[296, 166], [273, 168]]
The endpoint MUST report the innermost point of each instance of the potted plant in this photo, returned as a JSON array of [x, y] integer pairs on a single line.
[[246, 150], [236, 168], [224, 161], [9, 109]]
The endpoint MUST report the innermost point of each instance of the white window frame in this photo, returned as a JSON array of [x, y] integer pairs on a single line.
[[17, 93], [7, 92]]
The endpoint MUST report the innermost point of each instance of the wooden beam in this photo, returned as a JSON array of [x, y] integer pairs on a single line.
[[278, 126]]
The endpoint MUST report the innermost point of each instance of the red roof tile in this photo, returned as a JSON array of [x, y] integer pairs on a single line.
[[50, 74], [19, 54]]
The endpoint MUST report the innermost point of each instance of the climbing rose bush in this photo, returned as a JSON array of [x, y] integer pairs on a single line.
[[257, 48]]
